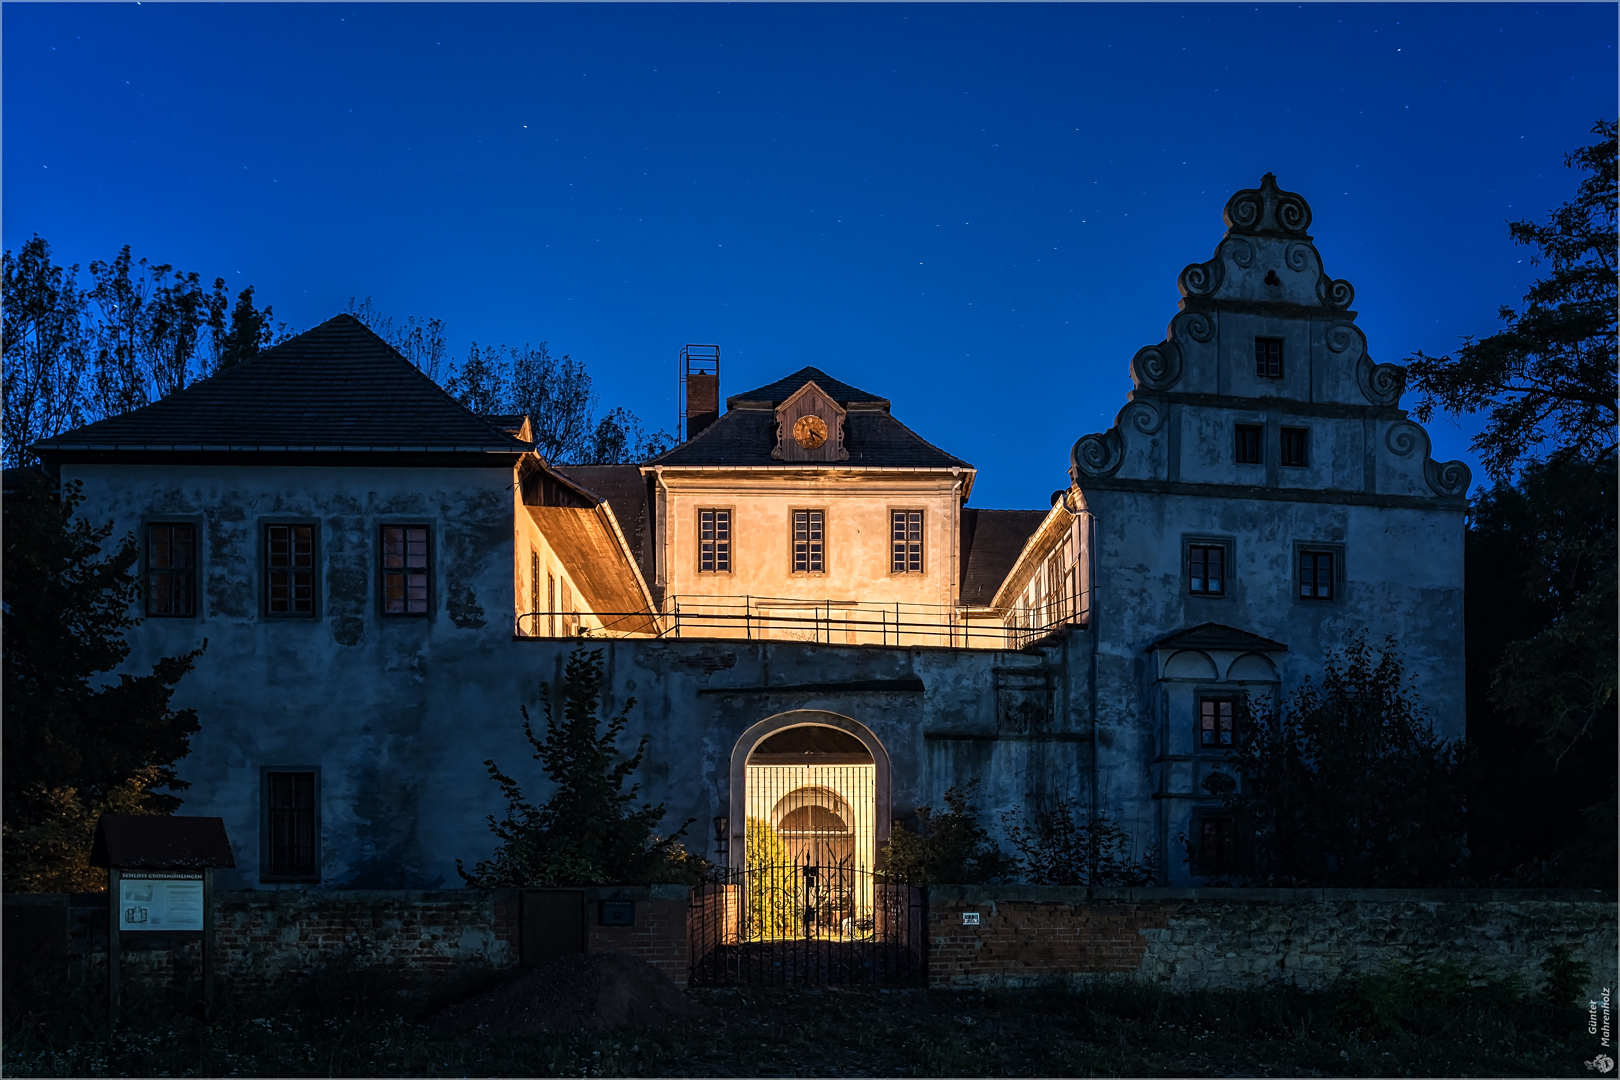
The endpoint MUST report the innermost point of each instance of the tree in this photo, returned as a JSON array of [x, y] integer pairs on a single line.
[[952, 848], [1550, 375], [771, 909], [1061, 846], [47, 350], [247, 333], [588, 832], [1348, 785], [419, 340], [75, 744]]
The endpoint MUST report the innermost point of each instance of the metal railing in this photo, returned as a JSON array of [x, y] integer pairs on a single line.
[[832, 622]]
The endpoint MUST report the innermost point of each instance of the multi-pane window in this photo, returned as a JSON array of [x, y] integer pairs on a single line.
[[1217, 845], [1215, 720], [1268, 357], [570, 616], [809, 542], [551, 605], [289, 569], [714, 541], [171, 569], [405, 570], [1316, 575], [1295, 440], [290, 801], [1206, 569], [534, 591], [1054, 588], [1248, 444], [906, 531]]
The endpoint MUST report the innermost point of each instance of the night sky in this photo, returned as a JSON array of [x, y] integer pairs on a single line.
[[976, 211]]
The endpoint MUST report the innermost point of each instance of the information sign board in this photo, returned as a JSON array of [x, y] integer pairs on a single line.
[[160, 901]]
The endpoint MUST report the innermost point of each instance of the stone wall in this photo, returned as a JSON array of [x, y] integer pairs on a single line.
[[1237, 938]]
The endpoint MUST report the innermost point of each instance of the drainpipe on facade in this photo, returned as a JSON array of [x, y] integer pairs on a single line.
[[955, 584], [661, 571], [1094, 619]]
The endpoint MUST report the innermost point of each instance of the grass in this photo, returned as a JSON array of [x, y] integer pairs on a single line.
[[1409, 1021]]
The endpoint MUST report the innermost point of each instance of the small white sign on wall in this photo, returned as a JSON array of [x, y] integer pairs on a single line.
[[970, 918], [160, 901]]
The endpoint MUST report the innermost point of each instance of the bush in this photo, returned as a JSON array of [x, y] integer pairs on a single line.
[[953, 847], [1060, 847]]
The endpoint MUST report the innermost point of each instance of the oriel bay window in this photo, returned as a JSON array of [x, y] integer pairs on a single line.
[[405, 569], [809, 542], [289, 570], [171, 569], [714, 541], [906, 529]]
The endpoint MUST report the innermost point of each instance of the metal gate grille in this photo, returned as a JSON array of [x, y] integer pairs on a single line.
[[807, 924]]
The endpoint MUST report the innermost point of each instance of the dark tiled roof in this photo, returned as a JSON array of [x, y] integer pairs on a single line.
[[747, 437], [156, 842], [1212, 635], [338, 387], [991, 543], [782, 389], [625, 490]]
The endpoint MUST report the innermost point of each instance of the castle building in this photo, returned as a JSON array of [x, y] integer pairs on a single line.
[[819, 634]]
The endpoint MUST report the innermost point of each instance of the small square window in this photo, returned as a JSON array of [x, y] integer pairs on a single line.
[[1316, 571], [405, 569], [809, 542], [1268, 357], [291, 824], [1248, 444], [289, 570], [906, 527], [1216, 720], [1206, 569], [714, 541], [1295, 444], [1217, 845], [171, 569]]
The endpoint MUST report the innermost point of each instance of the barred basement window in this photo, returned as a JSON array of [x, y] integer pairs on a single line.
[[1294, 443], [1215, 723], [405, 570], [171, 569], [291, 835], [714, 541], [1268, 357], [289, 570], [1206, 569], [1248, 444], [809, 543], [908, 541], [1316, 575]]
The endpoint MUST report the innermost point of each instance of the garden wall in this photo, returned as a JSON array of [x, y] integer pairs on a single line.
[[1235, 938]]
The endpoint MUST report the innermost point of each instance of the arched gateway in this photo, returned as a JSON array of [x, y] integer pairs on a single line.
[[801, 899]]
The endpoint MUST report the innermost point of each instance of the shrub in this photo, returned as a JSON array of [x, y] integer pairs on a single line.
[[953, 848], [1059, 846]]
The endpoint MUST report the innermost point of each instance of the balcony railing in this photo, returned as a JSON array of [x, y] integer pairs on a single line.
[[834, 622]]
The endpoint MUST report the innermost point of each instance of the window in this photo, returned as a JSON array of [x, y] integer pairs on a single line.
[[1248, 444], [289, 570], [570, 616], [405, 570], [1217, 845], [1268, 357], [908, 543], [1054, 588], [1206, 569], [291, 845], [534, 592], [551, 605], [1215, 723], [808, 542], [1316, 575], [1294, 443], [714, 541], [171, 569]]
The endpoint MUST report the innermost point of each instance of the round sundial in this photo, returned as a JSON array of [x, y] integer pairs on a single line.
[[810, 431]]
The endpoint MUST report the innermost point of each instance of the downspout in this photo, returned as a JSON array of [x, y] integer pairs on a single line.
[[661, 570], [954, 595], [1094, 617]]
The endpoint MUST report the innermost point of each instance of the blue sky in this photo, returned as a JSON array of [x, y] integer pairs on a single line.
[[977, 211]]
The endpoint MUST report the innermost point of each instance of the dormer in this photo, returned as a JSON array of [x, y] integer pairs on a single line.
[[810, 427]]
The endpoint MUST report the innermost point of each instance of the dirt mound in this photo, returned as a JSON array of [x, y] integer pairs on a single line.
[[570, 993]]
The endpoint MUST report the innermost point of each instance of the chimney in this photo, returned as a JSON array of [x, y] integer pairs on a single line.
[[700, 387]]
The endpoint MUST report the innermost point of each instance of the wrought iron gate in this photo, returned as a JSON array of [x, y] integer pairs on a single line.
[[807, 925]]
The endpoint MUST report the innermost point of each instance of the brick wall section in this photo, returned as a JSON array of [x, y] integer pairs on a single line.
[[659, 935], [1235, 938]]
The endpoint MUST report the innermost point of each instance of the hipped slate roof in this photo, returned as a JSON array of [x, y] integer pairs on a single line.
[[991, 543], [746, 433], [1216, 636], [336, 388]]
